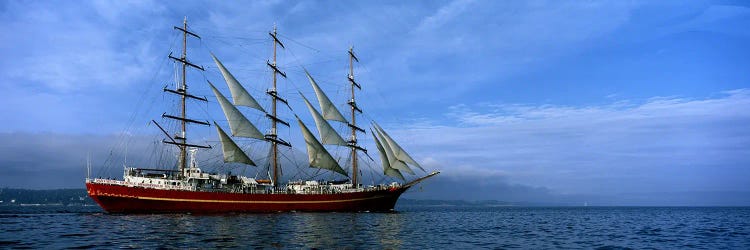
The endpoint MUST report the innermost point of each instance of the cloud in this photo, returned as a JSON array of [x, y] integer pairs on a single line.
[[481, 188], [414, 52], [665, 150], [464, 45], [68, 48], [45, 160], [664, 144], [714, 17], [652, 109], [444, 14]]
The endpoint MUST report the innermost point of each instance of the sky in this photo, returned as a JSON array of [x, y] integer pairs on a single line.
[[565, 102]]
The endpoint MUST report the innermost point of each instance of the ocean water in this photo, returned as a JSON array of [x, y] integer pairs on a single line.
[[412, 227]]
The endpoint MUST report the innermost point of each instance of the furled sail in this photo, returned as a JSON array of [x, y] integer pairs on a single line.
[[328, 135], [398, 152], [240, 96], [387, 169], [392, 160], [238, 123], [232, 152], [330, 112], [317, 154]]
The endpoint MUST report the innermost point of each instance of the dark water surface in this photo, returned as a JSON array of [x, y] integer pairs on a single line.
[[411, 228]]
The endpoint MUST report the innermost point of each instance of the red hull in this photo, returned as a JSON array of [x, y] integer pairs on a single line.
[[123, 199]]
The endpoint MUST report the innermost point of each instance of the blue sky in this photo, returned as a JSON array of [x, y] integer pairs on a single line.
[[616, 102]]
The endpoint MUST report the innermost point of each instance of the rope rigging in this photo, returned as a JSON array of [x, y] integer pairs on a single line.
[[164, 156]]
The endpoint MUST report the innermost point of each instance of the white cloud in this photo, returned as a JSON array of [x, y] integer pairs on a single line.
[[66, 48], [713, 18], [464, 45], [444, 14], [673, 144]]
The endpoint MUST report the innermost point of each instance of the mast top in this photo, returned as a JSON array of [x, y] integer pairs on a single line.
[[275, 39]]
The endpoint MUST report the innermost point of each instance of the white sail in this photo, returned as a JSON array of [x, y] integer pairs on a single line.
[[232, 152], [387, 169], [392, 160], [398, 152], [317, 155], [238, 123], [328, 135], [240, 96], [330, 112]]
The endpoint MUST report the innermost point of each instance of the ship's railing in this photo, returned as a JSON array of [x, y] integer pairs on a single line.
[[327, 189], [312, 189], [143, 185], [108, 181], [322, 189]]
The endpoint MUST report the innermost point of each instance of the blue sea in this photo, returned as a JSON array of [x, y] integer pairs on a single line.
[[412, 227]]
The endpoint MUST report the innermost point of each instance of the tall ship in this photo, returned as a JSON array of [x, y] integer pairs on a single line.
[[184, 187]]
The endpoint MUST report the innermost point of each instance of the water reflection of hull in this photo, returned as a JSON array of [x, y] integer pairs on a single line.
[[124, 199]]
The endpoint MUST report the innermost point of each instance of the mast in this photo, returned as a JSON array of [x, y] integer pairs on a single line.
[[353, 125], [273, 136], [274, 146], [183, 149], [181, 140]]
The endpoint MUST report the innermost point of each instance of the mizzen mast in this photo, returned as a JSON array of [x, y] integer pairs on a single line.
[[181, 140]]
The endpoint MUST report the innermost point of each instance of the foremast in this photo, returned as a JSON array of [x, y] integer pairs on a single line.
[[182, 90]]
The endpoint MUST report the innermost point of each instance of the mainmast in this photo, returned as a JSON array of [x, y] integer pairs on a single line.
[[273, 136], [353, 125], [181, 140]]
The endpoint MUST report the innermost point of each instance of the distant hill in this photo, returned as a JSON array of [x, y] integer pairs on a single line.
[[12, 196], [456, 203], [478, 203]]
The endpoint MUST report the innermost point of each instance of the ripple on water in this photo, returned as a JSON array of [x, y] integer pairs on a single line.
[[74, 235], [9, 242], [412, 227]]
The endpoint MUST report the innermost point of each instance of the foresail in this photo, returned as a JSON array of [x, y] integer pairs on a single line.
[[398, 152], [317, 155], [328, 135], [330, 112], [238, 123], [387, 169], [240, 96], [232, 152], [392, 160]]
